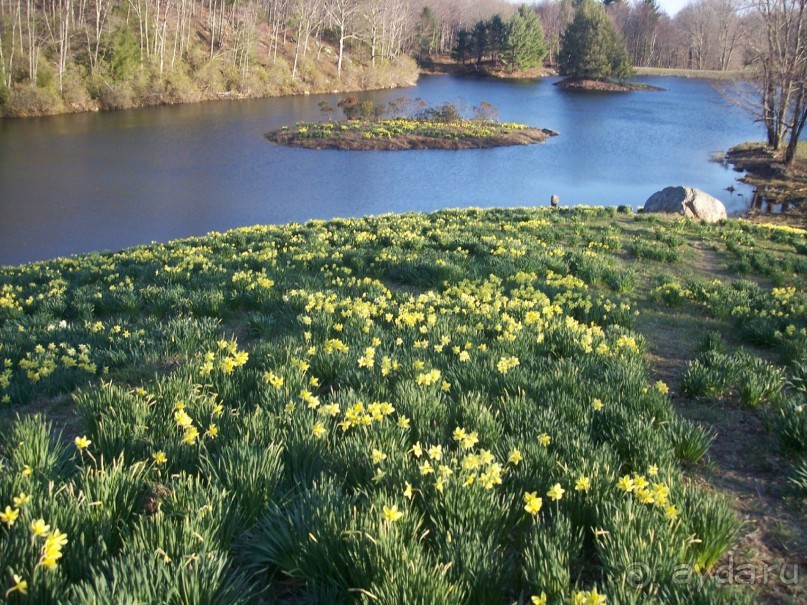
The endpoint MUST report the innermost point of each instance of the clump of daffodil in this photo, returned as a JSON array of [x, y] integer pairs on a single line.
[[644, 496], [368, 359], [589, 597], [671, 512], [491, 476], [435, 452], [532, 503], [469, 440], [330, 409], [335, 345], [377, 456], [273, 379], [309, 399], [39, 528], [182, 418], [392, 514], [388, 365], [190, 436], [82, 442], [626, 484], [661, 493], [9, 516], [429, 378], [556, 492], [20, 585], [52, 549], [505, 364]]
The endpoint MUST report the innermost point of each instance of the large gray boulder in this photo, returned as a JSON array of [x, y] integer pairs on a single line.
[[687, 201]]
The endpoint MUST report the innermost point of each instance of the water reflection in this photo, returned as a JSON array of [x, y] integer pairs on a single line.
[[767, 201]]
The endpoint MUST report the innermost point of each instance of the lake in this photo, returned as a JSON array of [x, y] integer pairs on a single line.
[[104, 181]]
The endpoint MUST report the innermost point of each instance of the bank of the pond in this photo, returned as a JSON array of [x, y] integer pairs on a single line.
[[148, 90], [402, 134], [779, 186]]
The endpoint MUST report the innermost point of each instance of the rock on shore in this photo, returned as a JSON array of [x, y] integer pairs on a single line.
[[687, 201]]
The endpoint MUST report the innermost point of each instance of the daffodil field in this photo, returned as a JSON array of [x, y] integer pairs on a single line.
[[386, 129], [454, 407]]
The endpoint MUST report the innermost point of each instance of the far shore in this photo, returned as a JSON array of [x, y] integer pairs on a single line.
[[446, 66], [436, 67], [707, 74]]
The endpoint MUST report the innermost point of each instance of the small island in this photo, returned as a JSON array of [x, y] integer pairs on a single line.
[[406, 133], [407, 124], [603, 85]]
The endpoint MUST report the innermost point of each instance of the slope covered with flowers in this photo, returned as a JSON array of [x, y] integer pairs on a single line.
[[444, 408]]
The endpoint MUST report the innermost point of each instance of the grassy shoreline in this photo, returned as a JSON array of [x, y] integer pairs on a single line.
[[776, 183], [710, 74], [295, 412], [399, 76], [139, 94]]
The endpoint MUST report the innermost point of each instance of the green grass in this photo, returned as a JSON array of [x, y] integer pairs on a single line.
[[367, 410], [712, 74]]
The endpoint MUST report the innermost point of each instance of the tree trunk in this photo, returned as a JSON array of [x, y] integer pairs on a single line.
[[799, 119]]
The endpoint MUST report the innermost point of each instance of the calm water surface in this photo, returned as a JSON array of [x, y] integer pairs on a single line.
[[71, 184]]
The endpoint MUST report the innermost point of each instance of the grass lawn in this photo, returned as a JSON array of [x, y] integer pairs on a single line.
[[712, 74], [470, 406]]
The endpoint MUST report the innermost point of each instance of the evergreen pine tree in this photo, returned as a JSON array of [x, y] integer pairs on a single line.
[[463, 47], [524, 40], [590, 47]]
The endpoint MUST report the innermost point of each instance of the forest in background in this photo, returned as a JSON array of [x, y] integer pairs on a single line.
[[73, 55]]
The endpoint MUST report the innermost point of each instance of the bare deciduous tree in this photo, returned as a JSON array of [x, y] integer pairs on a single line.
[[341, 14], [781, 61]]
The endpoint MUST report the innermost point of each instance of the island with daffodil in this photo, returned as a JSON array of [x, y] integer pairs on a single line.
[[407, 124]]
